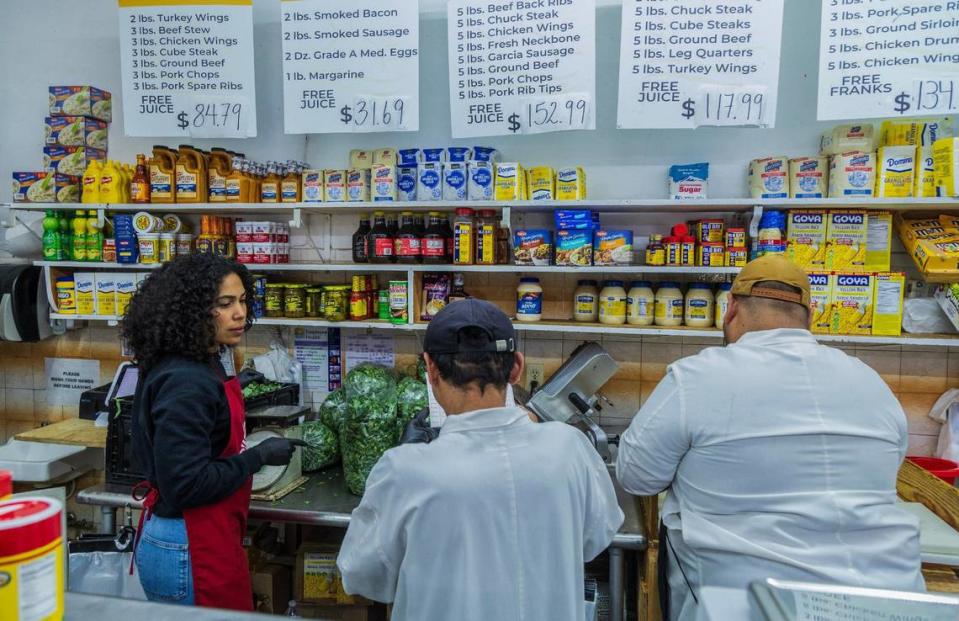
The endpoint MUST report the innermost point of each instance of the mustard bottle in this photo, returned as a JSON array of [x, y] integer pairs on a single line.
[[162, 175], [191, 175], [110, 183], [219, 169], [91, 182]]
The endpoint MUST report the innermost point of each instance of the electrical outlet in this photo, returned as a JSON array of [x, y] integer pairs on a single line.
[[534, 373]]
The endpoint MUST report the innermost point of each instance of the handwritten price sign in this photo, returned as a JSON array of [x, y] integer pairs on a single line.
[[537, 115], [375, 114], [216, 117], [935, 96], [728, 106]]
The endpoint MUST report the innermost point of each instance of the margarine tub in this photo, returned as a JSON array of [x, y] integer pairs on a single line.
[[669, 303], [699, 306]]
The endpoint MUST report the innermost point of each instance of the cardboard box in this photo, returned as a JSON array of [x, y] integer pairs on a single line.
[[70, 160], [76, 131], [105, 295], [847, 235], [806, 238], [948, 298], [335, 613], [852, 304], [86, 297], [878, 242], [126, 286], [820, 293], [81, 101], [272, 588], [316, 578], [887, 313], [45, 187]]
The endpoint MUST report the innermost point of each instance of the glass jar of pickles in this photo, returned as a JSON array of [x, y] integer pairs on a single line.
[[274, 301], [337, 302], [314, 302], [295, 302]]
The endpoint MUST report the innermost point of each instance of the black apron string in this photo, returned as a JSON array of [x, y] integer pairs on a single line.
[[662, 571]]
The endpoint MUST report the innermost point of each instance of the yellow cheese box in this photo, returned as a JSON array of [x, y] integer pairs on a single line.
[[541, 183], [806, 238], [945, 152], [570, 184], [105, 295], [879, 241], [852, 304], [820, 297], [510, 182], [887, 316], [86, 298], [847, 233]]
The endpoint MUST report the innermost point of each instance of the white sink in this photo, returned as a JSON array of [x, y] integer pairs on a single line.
[[39, 462]]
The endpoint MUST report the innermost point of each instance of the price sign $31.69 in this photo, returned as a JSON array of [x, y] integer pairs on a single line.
[[375, 114]]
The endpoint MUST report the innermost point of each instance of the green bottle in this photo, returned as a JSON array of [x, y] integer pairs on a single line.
[[51, 236], [94, 237], [66, 237], [79, 226]]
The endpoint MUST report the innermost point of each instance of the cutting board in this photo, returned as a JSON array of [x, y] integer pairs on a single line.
[[75, 431]]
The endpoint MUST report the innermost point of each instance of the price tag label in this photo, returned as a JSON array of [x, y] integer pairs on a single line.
[[728, 106], [928, 96], [376, 114], [537, 115], [187, 68], [215, 117]]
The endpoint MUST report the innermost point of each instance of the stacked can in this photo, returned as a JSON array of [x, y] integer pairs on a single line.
[[259, 295]]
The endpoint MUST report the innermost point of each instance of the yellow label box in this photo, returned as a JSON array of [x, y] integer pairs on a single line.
[[945, 152], [896, 171], [820, 297], [570, 184], [846, 240], [541, 182], [86, 298], [806, 238], [510, 182], [924, 184], [126, 286], [879, 242], [105, 294], [852, 303], [887, 316]]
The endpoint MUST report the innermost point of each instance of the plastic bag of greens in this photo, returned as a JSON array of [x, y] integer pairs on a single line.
[[333, 410], [322, 450], [411, 398], [370, 426]]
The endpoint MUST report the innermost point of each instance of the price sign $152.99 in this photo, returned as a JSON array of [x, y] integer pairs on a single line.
[[375, 114], [536, 115]]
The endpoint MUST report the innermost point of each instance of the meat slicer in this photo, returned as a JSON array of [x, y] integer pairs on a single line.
[[571, 395]]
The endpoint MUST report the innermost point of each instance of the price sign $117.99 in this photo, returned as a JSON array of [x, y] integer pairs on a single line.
[[536, 115], [727, 106]]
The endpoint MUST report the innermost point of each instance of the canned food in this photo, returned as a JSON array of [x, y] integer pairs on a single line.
[[737, 257], [383, 307], [398, 302], [710, 231], [359, 305], [735, 238], [259, 285], [711, 255]]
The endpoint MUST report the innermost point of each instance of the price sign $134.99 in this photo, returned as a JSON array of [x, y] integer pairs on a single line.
[[727, 106], [536, 115], [928, 96], [375, 114]]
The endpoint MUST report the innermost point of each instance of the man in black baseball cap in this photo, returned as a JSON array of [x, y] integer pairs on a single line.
[[457, 528]]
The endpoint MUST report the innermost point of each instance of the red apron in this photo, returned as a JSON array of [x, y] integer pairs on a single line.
[[221, 575]]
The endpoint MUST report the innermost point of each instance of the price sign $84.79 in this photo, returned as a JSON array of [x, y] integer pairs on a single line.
[[536, 115], [928, 96], [204, 118], [375, 114]]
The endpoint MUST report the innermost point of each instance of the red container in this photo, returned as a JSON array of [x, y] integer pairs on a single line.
[[943, 468]]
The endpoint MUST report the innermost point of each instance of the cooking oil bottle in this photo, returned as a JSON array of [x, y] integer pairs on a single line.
[[111, 180], [79, 226], [219, 169], [163, 175], [290, 188], [91, 182], [270, 185], [191, 175]]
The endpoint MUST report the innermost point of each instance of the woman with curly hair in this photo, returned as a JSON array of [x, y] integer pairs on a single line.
[[189, 431]]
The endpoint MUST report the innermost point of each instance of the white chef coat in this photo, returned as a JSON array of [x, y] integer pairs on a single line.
[[491, 521], [780, 456]]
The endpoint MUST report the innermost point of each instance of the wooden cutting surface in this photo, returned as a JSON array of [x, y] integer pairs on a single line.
[[74, 431]]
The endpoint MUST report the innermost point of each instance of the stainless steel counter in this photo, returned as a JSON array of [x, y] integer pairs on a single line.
[[80, 607]]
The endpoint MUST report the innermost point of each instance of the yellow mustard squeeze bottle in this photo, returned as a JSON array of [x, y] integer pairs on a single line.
[[91, 182], [162, 175], [219, 169], [111, 180], [191, 176]]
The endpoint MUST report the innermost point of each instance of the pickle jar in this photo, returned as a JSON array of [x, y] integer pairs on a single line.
[[314, 302], [295, 302], [274, 299], [337, 302]]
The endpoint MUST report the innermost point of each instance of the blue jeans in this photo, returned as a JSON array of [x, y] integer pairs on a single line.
[[163, 561]]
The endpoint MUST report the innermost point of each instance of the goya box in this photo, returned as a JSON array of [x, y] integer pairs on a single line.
[[613, 248], [820, 302], [574, 248], [70, 160], [879, 242], [80, 101], [846, 240], [806, 238], [887, 316], [532, 247], [76, 131], [852, 304], [45, 187]]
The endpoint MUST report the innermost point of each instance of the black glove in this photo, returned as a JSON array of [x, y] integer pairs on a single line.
[[418, 430], [277, 451]]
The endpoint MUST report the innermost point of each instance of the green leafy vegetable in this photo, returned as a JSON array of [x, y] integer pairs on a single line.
[[412, 397], [370, 426], [256, 389], [333, 410], [322, 449]]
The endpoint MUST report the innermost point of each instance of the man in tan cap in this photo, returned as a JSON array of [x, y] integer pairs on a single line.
[[779, 456]]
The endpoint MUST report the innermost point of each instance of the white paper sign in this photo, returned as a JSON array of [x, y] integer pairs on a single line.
[[68, 378], [311, 350], [350, 66], [675, 52], [521, 67], [888, 59], [361, 347], [187, 68]]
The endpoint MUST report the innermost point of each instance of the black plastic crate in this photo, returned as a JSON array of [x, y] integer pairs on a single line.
[[288, 394], [121, 468]]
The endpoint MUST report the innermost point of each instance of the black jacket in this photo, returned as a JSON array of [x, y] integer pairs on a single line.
[[181, 424]]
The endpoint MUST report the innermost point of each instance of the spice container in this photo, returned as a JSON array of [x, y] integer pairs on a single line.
[[486, 229], [655, 251], [668, 311], [673, 249], [294, 302], [274, 302], [612, 303], [336, 302], [699, 306], [398, 302], [463, 236], [529, 300], [184, 244], [586, 301], [640, 303]]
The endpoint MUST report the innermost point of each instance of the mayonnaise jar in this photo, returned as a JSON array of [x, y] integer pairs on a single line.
[[699, 306], [612, 303], [722, 303], [640, 303], [586, 301], [668, 305], [529, 300]]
